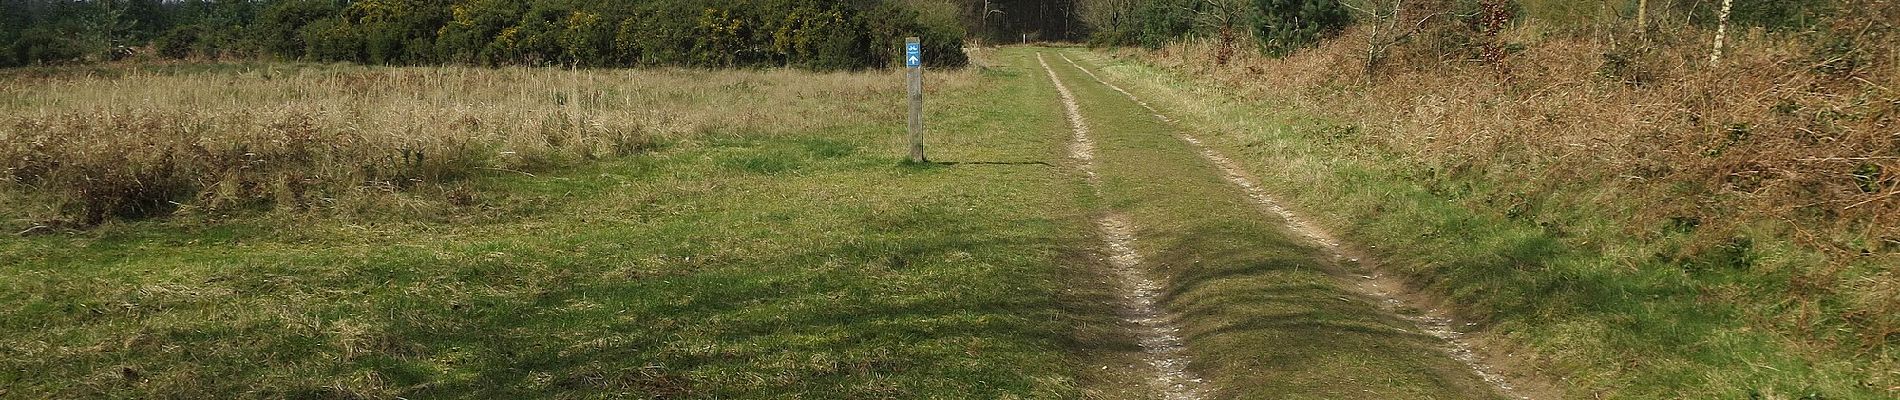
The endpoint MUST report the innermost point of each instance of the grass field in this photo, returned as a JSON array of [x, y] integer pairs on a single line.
[[326, 231], [768, 244], [760, 239]]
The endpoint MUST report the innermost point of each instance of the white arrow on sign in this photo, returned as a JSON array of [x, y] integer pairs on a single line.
[[914, 61]]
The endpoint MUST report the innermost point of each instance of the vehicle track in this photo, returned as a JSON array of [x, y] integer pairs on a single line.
[[1389, 291], [1161, 343]]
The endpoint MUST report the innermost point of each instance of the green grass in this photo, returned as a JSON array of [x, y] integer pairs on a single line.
[[811, 264], [1600, 311], [1261, 314], [805, 260]]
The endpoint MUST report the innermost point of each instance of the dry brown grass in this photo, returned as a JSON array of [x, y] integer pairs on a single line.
[[1782, 149], [82, 147]]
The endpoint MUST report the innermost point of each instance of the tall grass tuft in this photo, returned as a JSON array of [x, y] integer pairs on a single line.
[[81, 147]]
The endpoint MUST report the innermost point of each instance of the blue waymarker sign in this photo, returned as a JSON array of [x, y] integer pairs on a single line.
[[913, 55]]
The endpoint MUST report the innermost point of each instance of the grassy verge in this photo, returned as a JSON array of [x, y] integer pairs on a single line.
[[1602, 310], [133, 141], [742, 260], [1260, 312]]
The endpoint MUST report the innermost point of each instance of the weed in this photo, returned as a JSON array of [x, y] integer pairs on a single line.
[[765, 162], [1736, 254], [1867, 176], [827, 148], [1630, 67], [1682, 224]]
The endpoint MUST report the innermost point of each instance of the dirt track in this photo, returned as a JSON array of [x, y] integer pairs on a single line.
[[1141, 310], [1146, 294]]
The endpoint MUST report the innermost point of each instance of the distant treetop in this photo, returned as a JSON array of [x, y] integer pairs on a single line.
[[811, 34]]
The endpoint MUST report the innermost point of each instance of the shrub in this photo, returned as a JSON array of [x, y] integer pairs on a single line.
[[6, 49], [720, 37], [663, 36], [587, 39], [943, 47], [396, 31], [627, 44], [41, 46], [472, 25], [1287, 25], [536, 39], [821, 39], [280, 29], [889, 24], [180, 42], [331, 40], [1164, 20]]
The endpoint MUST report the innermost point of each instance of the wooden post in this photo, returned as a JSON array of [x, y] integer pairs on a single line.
[[914, 69]]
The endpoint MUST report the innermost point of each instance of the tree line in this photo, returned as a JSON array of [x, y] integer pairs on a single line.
[[811, 34], [1280, 26]]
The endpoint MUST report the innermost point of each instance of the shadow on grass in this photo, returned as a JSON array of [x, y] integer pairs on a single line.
[[1265, 306], [956, 163], [925, 303], [934, 165]]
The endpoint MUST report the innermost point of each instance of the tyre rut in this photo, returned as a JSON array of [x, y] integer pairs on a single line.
[[1389, 292], [1155, 330]]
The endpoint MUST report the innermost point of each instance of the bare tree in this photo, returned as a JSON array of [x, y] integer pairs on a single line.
[[1105, 14], [1389, 26], [1222, 13], [989, 10], [1225, 17], [1642, 16], [1721, 33]]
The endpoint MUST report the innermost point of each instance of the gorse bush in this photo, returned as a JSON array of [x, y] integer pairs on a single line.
[[813, 34]]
